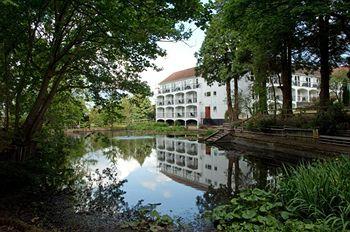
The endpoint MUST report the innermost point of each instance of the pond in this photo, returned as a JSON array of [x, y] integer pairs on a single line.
[[178, 173]]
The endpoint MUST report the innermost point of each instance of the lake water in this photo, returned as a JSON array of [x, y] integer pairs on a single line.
[[177, 172]]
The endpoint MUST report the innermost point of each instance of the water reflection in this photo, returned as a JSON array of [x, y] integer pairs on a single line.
[[199, 165], [183, 175]]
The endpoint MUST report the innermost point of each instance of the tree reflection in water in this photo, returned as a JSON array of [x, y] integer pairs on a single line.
[[258, 172]]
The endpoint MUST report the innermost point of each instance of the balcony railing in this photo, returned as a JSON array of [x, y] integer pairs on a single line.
[[179, 88], [161, 145], [180, 114], [180, 101], [191, 100], [161, 103], [169, 115], [170, 102], [160, 115], [305, 84], [302, 99], [191, 114]]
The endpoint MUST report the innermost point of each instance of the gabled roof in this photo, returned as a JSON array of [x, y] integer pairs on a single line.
[[183, 74]]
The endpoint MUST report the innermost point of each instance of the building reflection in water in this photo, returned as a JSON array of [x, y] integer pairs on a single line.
[[200, 166]]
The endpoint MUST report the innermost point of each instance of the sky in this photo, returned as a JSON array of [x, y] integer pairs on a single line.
[[180, 55]]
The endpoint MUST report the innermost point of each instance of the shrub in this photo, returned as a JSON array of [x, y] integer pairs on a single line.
[[332, 119], [260, 122]]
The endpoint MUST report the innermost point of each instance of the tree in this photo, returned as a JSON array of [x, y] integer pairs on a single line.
[[218, 60], [136, 108], [98, 46], [269, 32], [339, 85], [325, 31]]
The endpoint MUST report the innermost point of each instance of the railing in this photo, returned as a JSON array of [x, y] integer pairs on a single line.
[[169, 102], [160, 103], [305, 84], [170, 115], [179, 88], [302, 99], [191, 114], [180, 115], [161, 145], [160, 115], [192, 100], [180, 101]]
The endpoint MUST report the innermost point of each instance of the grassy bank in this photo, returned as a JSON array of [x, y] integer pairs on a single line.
[[308, 198], [150, 128]]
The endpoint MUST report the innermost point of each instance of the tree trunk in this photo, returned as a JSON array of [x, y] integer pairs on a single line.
[[286, 74], [323, 24], [229, 100], [7, 95], [274, 98], [236, 103], [262, 93]]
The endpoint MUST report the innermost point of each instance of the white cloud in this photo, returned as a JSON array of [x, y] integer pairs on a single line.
[[180, 55]]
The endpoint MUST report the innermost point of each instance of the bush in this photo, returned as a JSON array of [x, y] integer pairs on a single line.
[[332, 119], [155, 126], [260, 122]]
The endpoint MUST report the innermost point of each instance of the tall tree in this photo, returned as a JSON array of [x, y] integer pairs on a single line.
[[218, 61], [268, 31], [98, 46], [325, 29]]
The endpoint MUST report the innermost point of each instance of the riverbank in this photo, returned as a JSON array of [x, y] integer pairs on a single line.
[[149, 129], [290, 145]]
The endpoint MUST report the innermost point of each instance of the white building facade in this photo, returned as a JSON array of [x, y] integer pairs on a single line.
[[187, 99], [305, 90]]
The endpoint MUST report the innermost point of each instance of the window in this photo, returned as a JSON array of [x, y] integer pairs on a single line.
[[214, 108], [214, 93], [208, 166], [215, 168], [207, 94]]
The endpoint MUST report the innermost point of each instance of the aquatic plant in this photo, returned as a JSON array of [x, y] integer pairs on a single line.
[[320, 191]]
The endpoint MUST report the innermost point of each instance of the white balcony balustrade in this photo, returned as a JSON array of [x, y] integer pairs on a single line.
[[191, 114]]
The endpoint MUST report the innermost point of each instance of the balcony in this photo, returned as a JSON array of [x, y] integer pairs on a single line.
[[170, 146], [302, 99], [192, 163], [180, 160], [161, 155], [160, 103], [170, 115], [179, 101], [191, 114], [169, 102], [192, 149], [180, 114], [180, 147], [160, 115], [170, 158], [161, 145], [191, 100], [193, 86]]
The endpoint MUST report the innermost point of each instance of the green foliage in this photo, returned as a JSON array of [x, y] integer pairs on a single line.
[[260, 122], [332, 119], [149, 219], [155, 126], [66, 111], [49, 169], [320, 191], [98, 48], [258, 210]]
